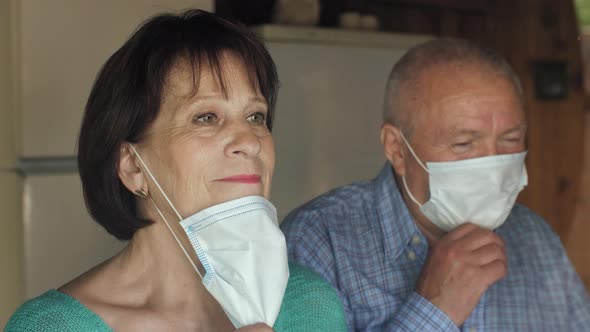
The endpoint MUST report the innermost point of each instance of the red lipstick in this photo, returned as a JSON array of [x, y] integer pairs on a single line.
[[242, 178]]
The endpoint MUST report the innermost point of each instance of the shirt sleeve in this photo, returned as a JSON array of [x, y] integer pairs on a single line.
[[564, 293], [419, 314], [578, 305], [309, 244]]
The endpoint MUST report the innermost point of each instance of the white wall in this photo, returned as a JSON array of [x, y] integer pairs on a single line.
[[328, 117], [63, 44], [11, 240], [62, 241], [8, 119], [11, 245]]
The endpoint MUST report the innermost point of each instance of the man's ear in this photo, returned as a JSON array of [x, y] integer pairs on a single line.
[[393, 147], [129, 171]]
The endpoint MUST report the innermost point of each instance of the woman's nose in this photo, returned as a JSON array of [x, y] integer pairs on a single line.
[[243, 142]]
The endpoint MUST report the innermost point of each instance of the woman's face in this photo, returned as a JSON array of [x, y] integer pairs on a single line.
[[208, 148]]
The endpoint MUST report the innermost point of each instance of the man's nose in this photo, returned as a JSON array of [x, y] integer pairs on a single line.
[[242, 141], [491, 149]]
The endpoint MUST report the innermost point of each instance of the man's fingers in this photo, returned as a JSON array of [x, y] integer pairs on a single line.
[[461, 232], [487, 254], [478, 238], [494, 271]]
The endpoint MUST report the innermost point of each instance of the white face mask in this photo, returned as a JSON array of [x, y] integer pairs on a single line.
[[481, 191], [244, 253]]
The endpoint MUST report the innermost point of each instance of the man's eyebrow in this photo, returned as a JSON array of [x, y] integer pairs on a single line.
[[471, 132], [515, 129], [463, 131]]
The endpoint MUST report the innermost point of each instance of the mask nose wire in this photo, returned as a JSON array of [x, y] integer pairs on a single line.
[[160, 213]]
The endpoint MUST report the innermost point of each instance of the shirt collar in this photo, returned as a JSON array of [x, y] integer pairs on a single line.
[[396, 222]]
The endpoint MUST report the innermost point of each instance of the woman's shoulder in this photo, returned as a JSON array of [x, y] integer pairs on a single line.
[[54, 311], [303, 278], [310, 304]]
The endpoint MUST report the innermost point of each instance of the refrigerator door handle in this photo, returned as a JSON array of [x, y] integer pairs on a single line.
[[47, 165]]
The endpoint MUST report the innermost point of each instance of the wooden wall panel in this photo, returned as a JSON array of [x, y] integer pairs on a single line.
[[547, 30]]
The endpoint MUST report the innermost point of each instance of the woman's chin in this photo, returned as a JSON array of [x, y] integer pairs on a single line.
[[241, 191]]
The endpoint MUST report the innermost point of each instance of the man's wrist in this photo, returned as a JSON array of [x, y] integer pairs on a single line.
[[419, 314]]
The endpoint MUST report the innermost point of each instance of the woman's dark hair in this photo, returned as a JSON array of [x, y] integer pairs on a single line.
[[127, 94]]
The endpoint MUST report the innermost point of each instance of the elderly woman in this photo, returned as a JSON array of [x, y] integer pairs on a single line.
[[176, 156]]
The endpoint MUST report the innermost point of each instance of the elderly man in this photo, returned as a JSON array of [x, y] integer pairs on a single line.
[[435, 242]]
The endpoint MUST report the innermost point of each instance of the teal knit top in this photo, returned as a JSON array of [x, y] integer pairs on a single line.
[[310, 304]]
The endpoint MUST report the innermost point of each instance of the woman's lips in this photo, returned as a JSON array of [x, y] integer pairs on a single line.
[[242, 178]]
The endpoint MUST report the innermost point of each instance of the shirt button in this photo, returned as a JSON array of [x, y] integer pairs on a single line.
[[472, 329], [411, 255], [416, 240]]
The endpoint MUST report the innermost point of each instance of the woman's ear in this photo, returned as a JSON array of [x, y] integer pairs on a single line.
[[130, 172], [393, 147]]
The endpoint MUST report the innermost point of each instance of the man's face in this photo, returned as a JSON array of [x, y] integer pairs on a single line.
[[457, 113]]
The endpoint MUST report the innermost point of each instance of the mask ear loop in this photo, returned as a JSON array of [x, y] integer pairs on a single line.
[[413, 153], [421, 165], [160, 213], [410, 193]]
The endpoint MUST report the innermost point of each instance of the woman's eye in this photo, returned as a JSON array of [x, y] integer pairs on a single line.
[[206, 118], [257, 118]]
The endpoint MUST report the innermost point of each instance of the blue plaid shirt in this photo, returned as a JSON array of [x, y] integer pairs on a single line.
[[362, 239]]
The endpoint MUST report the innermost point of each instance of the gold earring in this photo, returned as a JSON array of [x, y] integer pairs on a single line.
[[143, 193]]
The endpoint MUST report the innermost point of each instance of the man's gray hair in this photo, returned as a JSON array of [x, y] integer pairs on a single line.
[[406, 72]]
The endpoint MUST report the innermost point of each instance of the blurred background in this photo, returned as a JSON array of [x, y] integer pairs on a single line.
[[333, 58]]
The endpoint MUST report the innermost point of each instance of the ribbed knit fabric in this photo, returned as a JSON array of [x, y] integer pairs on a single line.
[[310, 304], [54, 311]]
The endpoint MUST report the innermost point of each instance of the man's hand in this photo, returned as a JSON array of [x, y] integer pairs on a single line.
[[260, 327], [460, 267]]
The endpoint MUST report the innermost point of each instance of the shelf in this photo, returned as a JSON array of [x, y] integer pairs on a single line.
[[340, 37]]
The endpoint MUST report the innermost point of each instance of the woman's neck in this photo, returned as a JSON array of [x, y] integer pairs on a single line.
[[155, 260], [151, 276], [163, 278]]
